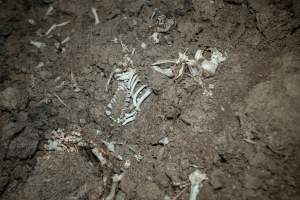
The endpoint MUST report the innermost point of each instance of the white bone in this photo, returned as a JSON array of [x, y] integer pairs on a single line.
[[116, 179], [133, 86], [38, 45], [168, 71], [94, 11], [134, 97], [99, 155], [196, 178], [142, 99]]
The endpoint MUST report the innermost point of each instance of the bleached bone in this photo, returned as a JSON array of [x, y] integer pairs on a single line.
[[54, 26], [159, 62], [67, 39], [50, 9], [196, 66], [99, 155], [196, 178], [167, 71], [143, 98], [127, 81], [134, 97], [94, 11], [155, 37], [38, 45], [116, 179], [134, 85]]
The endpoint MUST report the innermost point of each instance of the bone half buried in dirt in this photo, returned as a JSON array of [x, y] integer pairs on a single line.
[[199, 65], [135, 93]]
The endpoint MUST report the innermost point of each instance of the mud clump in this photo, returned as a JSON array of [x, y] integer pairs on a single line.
[[13, 99]]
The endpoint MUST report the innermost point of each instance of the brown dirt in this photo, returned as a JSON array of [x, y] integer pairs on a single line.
[[245, 136]]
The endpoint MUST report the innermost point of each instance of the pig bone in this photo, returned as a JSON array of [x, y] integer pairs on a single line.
[[168, 72], [196, 178], [38, 45], [67, 39], [116, 179], [54, 26], [143, 98], [94, 11], [50, 9], [99, 155]]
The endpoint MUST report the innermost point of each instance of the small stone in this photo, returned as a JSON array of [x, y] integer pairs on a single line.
[[12, 99], [97, 112], [215, 179], [164, 141], [4, 179]]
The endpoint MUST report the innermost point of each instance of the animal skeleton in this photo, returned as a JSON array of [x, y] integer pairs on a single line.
[[128, 81], [197, 66]]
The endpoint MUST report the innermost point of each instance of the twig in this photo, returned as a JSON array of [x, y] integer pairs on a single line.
[[61, 101]]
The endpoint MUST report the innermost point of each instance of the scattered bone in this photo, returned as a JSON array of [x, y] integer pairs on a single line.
[[54, 26], [136, 155], [210, 66], [196, 178], [99, 155], [128, 81], [40, 65], [168, 72], [67, 39], [109, 80], [144, 45], [116, 179], [155, 37], [31, 21], [38, 45], [164, 141], [49, 11], [62, 141], [61, 101], [110, 145], [74, 83], [94, 11], [197, 66]]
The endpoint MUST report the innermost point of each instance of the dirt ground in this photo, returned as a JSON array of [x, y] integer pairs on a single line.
[[242, 131]]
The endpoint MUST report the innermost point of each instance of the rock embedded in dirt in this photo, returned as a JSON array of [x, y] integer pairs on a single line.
[[25, 145], [4, 179], [96, 112], [5, 30], [9, 131], [13, 99], [149, 191], [216, 179]]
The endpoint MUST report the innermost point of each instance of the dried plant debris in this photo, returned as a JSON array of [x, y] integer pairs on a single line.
[[132, 91], [199, 65], [60, 140]]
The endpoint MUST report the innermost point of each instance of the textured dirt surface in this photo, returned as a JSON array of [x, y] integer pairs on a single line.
[[243, 132]]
